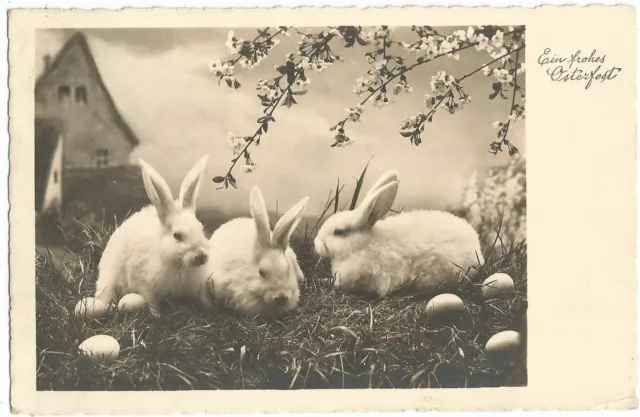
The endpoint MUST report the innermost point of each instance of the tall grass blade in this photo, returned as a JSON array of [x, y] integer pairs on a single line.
[[356, 192], [337, 199]]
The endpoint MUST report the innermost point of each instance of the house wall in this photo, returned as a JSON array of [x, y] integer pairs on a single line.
[[52, 199], [93, 197], [108, 192], [47, 134], [87, 128]]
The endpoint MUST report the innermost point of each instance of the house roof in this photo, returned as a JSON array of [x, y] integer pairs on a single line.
[[79, 39]]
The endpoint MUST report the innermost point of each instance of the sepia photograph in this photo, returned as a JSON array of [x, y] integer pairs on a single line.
[[280, 208]]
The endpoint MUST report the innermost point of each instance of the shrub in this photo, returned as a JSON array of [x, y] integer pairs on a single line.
[[498, 202]]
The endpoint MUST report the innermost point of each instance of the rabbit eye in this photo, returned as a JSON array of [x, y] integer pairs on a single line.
[[178, 236], [263, 273], [340, 232]]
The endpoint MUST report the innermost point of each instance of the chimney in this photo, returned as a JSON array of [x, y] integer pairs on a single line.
[[47, 62]]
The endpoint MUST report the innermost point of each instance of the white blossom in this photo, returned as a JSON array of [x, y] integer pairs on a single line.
[[502, 75], [483, 43], [364, 84], [354, 114], [447, 45], [320, 66], [231, 43], [460, 34], [429, 101], [471, 36], [442, 83], [236, 143], [503, 54], [267, 88], [220, 68], [402, 87], [305, 63], [299, 82], [517, 116], [498, 39], [382, 100], [411, 122]]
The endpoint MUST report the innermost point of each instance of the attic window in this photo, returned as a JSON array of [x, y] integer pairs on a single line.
[[81, 95], [102, 158], [64, 91]]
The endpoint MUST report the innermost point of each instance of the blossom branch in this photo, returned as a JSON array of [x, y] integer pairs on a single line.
[[315, 53], [228, 178], [516, 112], [249, 54], [448, 46], [262, 44], [444, 87]]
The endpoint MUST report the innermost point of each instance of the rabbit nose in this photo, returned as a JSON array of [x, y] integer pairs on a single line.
[[201, 258], [281, 299]]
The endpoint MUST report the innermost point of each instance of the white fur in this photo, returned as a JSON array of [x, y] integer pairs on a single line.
[[424, 249], [144, 256], [244, 248]]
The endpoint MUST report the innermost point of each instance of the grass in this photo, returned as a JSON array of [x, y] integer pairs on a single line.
[[332, 340]]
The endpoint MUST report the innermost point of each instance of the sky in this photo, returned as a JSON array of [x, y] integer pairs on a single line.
[[161, 84]]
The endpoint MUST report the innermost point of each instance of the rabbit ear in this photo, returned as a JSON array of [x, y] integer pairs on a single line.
[[260, 216], [288, 223], [158, 190], [190, 187], [377, 204], [385, 179]]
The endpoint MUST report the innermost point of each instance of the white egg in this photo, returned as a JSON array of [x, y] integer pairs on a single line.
[[100, 347], [445, 306], [90, 307], [497, 285], [503, 346], [132, 303]]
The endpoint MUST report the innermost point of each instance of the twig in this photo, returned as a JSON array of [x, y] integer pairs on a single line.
[[257, 132], [290, 82]]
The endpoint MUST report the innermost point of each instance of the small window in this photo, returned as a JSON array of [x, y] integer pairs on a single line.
[[55, 177], [64, 91], [81, 95], [102, 158]]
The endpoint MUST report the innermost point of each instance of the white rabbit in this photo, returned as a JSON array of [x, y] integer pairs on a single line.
[[425, 249], [154, 252], [255, 271]]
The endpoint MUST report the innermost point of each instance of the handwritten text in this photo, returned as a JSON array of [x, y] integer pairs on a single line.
[[577, 67]]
